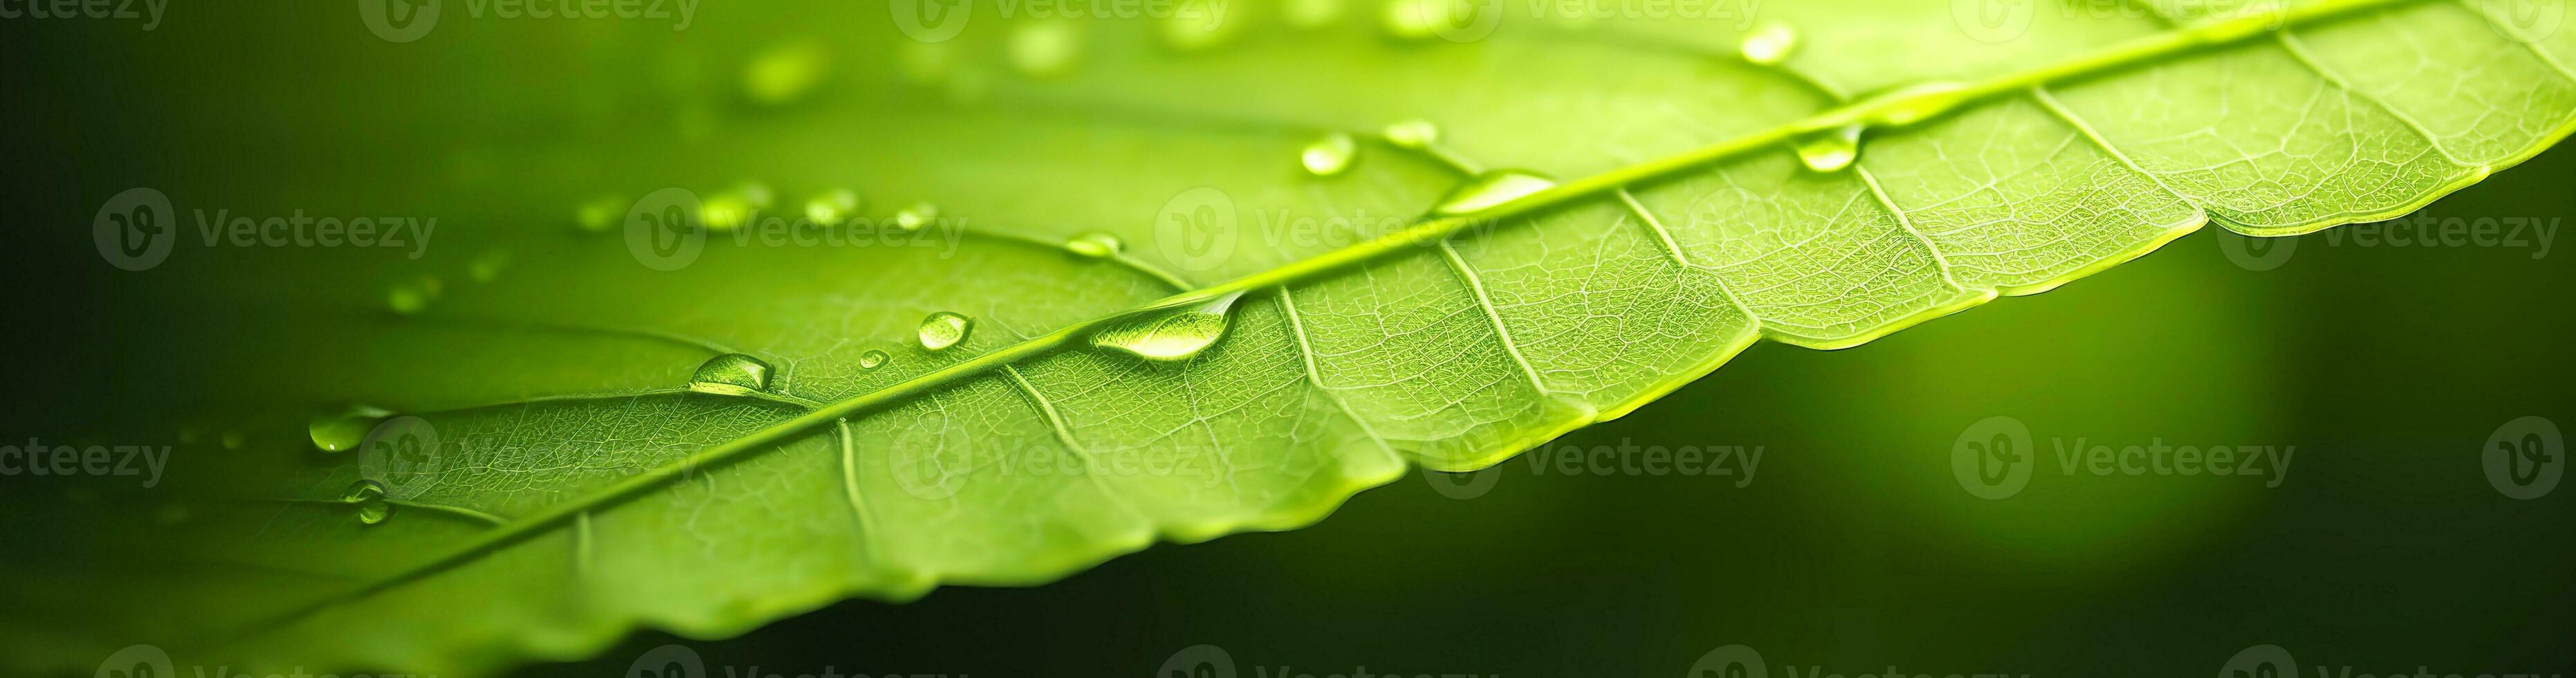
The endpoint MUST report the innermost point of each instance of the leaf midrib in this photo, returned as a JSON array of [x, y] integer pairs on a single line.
[[2143, 50]]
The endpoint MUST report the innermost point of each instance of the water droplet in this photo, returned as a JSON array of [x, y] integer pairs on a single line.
[[1195, 25], [1172, 335], [918, 215], [1769, 44], [1916, 103], [375, 512], [1330, 155], [1490, 189], [1094, 244], [411, 296], [785, 73], [1046, 48], [487, 265], [1413, 134], [730, 374], [363, 491], [944, 329], [872, 359], [1831, 150], [602, 213], [343, 431], [1423, 19], [832, 207], [1312, 13], [725, 211]]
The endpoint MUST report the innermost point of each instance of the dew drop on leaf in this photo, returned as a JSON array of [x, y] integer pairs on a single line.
[[412, 296], [1423, 19], [1830, 151], [487, 265], [725, 211], [1329, 155], [343, 431], [1769, 44], [1918, 102], [1311, 13], [872, 360], [832, 207], [601, 213], [944, 329], [1195, 25], [1490, 189], [784, 73], [730, 374], [1045, 48], [1094, 244], [1414, 134], [1171, 335], [375, 512], [918, 215], [364, 490]]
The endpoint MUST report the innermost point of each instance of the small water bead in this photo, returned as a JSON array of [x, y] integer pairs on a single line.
[[1424, 19], [1196, 25], [913, 218], [872, 359], [1045, 48], [412, 296], [1172, 335], [832, 207], [1311, 13], [364, 490], [1094, 244], [1769, 44], [944, 329], [602, 213], [1490, 189], [1830, 151], [1413, 134], [375, 512], [1329, 155], [785, 73], [344, 431], [487, 265], [1917, 102], [730, 374], [725, 211]]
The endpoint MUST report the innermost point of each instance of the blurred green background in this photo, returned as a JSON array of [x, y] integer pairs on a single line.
[[1852, 547]]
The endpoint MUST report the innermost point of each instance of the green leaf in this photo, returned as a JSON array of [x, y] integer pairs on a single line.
[[1188, 313]]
